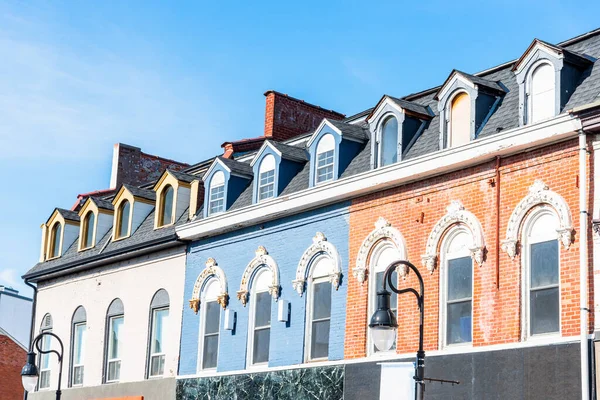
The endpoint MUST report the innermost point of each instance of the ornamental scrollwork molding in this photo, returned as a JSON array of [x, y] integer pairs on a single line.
[[455, 214], [539, 194], [211, 270], [383, 231], [320, 245], [262, 258]]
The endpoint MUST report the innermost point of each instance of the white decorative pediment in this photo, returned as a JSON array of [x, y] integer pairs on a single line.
[[539, 194], [262, 258], [211, 270], [383, 231], [320, 246], [456, 214]]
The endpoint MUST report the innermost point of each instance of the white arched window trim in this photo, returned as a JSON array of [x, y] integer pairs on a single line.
[[261, 259], [456, 214], [320, 246], [383, 231], [528, 88], [211, 270], [539, 193]]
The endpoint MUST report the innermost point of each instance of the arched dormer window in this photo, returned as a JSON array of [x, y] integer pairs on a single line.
[[541, 93], [89, 224], [123, 217], [166, 206], [216, 199], [266, 177], [459, 121], [388, 142], [55, 239], [325, 159]]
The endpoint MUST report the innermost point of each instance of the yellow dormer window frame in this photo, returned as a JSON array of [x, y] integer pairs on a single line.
[[166, 181], [119, 205], [55, 228], [124, 210], [166, 209]]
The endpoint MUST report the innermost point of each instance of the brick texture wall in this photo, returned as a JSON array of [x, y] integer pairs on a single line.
[[414, 210], [12, 359]]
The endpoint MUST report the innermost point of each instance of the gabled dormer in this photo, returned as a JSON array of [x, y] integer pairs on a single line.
[[331, 148], [173, 196], [274, 166], [58, 233], [132, 206], [96, 217], [547, 76], [395, 124], [465, 103], [224, 181]]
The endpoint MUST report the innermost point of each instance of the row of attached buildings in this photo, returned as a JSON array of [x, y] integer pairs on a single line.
[[254, 274]]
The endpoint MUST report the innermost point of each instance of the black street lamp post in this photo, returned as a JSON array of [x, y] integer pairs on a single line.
[[29, 373], [383, 322]]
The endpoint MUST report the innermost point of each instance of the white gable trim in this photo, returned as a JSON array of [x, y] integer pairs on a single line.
[[322, 125]]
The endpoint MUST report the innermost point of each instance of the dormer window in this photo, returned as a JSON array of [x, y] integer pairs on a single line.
[[266, 176], [88, 230], [388, 143], [55, 237], [166, 206], [325, 159], [459, 122], [541, 93], [216, 202], [123, 216]]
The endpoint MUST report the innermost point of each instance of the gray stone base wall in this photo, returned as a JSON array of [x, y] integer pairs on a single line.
[[152, 389]]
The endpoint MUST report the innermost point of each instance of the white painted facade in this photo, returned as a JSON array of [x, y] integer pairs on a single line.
[[135, 282]]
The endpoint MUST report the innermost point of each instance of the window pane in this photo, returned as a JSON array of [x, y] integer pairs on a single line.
[[322, 300], [460, 120], [542, 93], [213, 314], [262, 316], [320, 340], [544, 264], [544, 311], [114, 370], [44, 379], [79, 344], [56, 233], [78, 375], [217, 199], [157, 365], [458, 324], [160, 317], [115, 337], [168, 206], [124, 216], [89, 229], [460, 278], [45, 358], [261, 346], [325, 166], [210, 349], [389, 142]]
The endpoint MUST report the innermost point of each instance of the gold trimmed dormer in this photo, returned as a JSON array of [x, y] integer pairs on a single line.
[[96, 217], [59, 233], [173, 196], [132, 205]]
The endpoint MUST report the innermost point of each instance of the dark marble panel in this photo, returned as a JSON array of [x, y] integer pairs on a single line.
[[360, 381], [298, 384]]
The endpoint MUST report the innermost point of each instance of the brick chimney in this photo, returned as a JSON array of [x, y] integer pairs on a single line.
[[287, 117], [130, 165]]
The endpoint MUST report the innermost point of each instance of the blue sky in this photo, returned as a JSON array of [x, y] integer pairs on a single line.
[[179, 78]]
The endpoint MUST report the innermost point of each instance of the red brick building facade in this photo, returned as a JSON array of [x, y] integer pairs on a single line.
[[12, 359]]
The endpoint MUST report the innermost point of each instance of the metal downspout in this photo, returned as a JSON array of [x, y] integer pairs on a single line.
[[583, 266]]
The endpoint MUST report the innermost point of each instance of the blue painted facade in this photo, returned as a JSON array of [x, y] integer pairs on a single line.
[[285, 240]]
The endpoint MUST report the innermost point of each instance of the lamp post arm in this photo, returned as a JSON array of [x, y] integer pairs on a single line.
[[36, 344]]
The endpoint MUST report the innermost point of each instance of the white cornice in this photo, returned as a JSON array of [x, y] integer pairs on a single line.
[[504, 143]]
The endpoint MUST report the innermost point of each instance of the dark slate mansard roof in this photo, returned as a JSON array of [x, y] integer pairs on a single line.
[[505, 116]]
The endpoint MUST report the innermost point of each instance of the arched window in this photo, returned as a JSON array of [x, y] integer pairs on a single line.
[[266, 183], [78, 340], [318, 308], [459, 131], [159, 317], [389, 142], [259, 326], [541, 273], [325, 159], [541, 93], [55, 238], [123, 215], [457, 286], [88, 230], [113, 349], [44, 361], [382, 255], [216, 200], [166, 206], [210, 322]]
